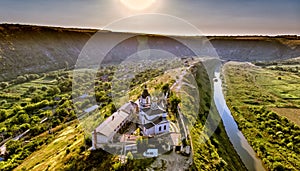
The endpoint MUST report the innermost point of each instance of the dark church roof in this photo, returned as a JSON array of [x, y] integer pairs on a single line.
[[159, 120], [150, 111], [145, 92], [155, 121], [148, 125]]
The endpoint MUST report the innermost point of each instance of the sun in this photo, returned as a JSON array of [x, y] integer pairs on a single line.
[[137, 5]]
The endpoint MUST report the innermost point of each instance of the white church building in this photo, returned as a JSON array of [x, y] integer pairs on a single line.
[[152, 115]]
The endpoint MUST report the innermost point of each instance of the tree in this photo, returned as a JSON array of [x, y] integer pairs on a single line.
[[23, 118], [3, 102], [3, 85], [88, 141], [35, 119], [44, 88], [32, 76], [36, 98], [129, 156], [174, 101], [25, 126], [53, 91], [21, 79], [12, 146], [31, 89], [67, 151], [23, 104], [165, 88], [278, 166], [112, 108]]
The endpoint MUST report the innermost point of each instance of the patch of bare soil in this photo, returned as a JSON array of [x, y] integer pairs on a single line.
[[290, 113]]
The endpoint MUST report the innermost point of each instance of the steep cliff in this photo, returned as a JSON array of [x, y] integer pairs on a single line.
[[33, 49], [256, 48]]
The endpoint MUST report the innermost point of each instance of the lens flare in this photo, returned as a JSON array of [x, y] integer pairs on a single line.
[[137, 5]]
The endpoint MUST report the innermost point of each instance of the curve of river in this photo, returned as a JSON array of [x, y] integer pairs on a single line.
[[239, 142]]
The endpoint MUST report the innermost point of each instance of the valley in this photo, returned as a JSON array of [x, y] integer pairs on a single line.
[[49, 106]]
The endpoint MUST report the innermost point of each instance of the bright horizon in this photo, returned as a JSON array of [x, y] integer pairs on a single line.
[[128, 31], [265, 18]]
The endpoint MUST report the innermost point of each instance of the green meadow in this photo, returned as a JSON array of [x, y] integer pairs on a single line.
[[265, 102]]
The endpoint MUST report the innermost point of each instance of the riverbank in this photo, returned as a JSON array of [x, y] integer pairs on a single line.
[[251, 95], [211, 145], [239, 142]]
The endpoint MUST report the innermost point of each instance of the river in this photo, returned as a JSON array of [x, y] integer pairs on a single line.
[[239, 142]]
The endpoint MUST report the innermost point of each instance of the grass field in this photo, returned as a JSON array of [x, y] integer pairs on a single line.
[[68, 139], [67, 151], [277, 90], [265, 104]]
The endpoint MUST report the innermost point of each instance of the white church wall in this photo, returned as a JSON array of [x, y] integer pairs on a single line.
[[162, 128], [150, 131]]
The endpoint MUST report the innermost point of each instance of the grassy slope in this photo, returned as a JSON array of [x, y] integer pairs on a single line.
[[54, 156], [217, 153], [48, 155], [66, 152], [253, 94]]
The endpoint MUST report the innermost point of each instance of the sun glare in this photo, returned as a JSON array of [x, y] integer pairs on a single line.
[[137, 5]]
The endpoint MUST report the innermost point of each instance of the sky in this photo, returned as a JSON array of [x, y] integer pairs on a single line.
[[211, 17]]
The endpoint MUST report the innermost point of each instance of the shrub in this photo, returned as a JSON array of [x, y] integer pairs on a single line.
[[32, 76], [44, 88], [67, 151], [23, 118], [278, 166], [82, 148], [3, 115], [23, 104], [88, 141]]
